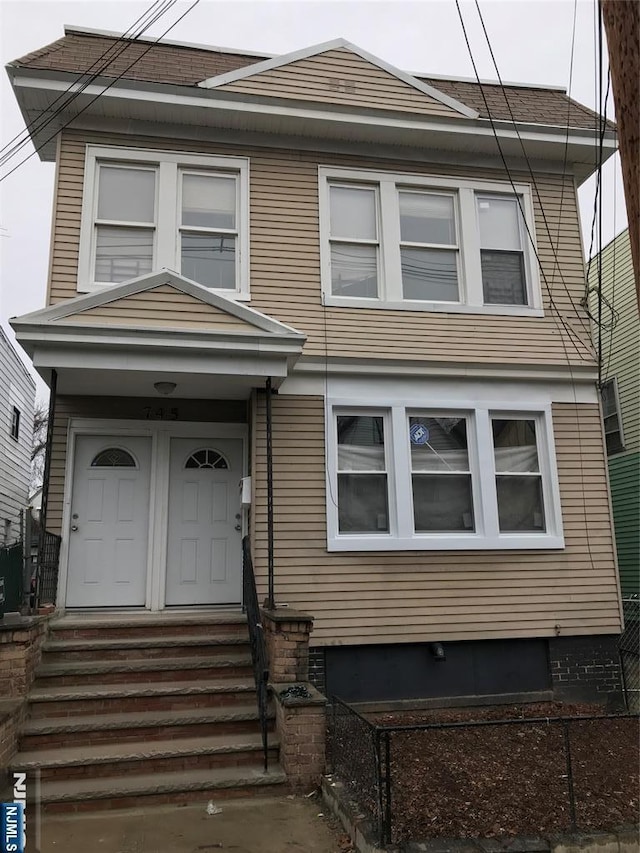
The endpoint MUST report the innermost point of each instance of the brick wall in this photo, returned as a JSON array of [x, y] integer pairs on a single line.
[[20, 653], [13, 713], [287, 639], [301, 725], [586, 669]]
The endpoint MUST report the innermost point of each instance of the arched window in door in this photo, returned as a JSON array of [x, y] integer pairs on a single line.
[[206, 458], [113, 457]]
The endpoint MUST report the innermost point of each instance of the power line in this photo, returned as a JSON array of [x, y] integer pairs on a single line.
[[560, 319], [112, 53], [557, 266], [106, 88]]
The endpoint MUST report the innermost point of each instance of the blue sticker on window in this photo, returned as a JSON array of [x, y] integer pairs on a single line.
[[419, 434]]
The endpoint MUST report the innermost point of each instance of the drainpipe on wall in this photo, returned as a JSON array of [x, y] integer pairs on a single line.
[[270, 596], [47, 469]]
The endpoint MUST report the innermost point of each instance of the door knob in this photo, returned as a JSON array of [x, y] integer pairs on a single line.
[[238, 527], [74, 527]]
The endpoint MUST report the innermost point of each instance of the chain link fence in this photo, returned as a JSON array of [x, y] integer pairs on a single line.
[[629, 649]]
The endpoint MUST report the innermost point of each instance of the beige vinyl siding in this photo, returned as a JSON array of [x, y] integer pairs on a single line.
[[125, 408], [285, 264], [417, 596], [340, 77], [161, 307]]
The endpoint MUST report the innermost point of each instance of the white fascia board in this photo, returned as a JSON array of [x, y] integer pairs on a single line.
[[149, 281], [314, 50], [310, 366], [169, 339], [479, 127]]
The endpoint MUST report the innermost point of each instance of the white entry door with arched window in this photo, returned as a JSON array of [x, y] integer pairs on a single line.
[[204, 554], [109, 522]]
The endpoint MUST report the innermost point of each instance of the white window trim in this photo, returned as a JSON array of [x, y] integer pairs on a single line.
[[616, 398], [471, 291], [487, 535], [167, 225]]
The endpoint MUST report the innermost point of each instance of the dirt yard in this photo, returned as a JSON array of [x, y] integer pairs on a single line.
[[497, 780]]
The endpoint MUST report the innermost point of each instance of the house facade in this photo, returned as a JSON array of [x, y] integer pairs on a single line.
[[321, 302], [17, 399], [615, 333]]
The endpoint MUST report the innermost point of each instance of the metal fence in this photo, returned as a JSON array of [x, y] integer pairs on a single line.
[[629, 649], [46, 578], [11, 580], [488, 777]]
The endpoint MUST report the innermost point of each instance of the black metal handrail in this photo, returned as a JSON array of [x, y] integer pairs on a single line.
[[257, 643]]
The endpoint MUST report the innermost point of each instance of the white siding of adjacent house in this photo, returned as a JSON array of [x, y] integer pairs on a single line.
[[16, 389]]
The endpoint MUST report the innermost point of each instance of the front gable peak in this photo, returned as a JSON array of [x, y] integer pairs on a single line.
[[161, 300], [339, 72]]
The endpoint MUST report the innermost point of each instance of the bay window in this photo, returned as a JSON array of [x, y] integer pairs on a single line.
[[144, 210], [427, 243], [401, 477]]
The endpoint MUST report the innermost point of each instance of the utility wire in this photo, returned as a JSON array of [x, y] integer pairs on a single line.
[[552, 303], [557, 265], [88, 76], [106, 88]]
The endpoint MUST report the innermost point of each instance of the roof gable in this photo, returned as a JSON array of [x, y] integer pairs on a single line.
[[338, 72], [161, 300]]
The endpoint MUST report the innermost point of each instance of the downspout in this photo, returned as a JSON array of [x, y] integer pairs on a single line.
[[270, 597], [45, 481]]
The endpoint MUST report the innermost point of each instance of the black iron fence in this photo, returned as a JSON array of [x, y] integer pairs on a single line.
[[257, 643], [45, 582], [11, 578], [489, 777]]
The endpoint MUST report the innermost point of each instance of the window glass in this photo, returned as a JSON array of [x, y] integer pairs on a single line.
[[363, 505], [126, 195], [208, 201], [354, 270], [15, 423], [499, 223], [207, 458], [122, 253], [611, 415], [503, 280], [429, 274], [427, 218], [353, 213], [209, 259], [441, 479], [113, 457], [518, 479]]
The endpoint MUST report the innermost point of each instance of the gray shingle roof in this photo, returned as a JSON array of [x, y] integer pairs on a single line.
[[180, 65]]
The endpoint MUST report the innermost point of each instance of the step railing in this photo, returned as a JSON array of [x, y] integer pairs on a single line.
[[257, 643]]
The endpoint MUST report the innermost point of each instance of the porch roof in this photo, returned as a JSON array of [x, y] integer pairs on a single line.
[[160, 327]]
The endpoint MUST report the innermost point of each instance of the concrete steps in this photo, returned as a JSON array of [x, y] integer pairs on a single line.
[[137, 707]]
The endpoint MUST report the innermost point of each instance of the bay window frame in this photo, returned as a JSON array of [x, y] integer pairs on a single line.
[[169, 167], [465, 192], [487, 534]]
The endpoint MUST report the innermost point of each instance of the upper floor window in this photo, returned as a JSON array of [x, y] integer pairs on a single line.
[[146, 210], [430, 244], [15, 423], [611, 415]]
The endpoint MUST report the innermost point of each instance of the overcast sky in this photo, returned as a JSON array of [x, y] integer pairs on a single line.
[[531, 41]]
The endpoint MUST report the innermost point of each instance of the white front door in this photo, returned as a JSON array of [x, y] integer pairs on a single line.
[[108, 533], [204, 545]]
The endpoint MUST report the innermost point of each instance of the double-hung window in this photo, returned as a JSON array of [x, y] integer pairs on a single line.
[[612, 418], [401, 477], [144, 210], [427, 243]]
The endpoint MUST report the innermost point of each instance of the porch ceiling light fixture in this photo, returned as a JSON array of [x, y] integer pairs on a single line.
[[437, 650], [165, 388]]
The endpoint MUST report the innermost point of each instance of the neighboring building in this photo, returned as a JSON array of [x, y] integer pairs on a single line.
[[619, 340], [17, 399], [327, 226]]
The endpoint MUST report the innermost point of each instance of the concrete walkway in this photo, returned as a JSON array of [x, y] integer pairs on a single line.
[[278, 825]]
